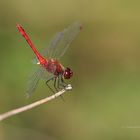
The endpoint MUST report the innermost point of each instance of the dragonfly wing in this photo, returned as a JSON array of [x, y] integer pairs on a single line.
[[34, 78], [61, 41], [51, 49]]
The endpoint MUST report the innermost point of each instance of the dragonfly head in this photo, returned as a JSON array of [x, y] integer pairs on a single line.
[[67, 73]]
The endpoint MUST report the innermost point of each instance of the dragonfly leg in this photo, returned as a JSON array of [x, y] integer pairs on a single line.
[[58, 87], [55, 82], [58, 83], [55, 85], [62, 82], [49, 85]]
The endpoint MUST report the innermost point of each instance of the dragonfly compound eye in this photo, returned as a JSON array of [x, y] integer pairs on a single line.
[[68, 73]]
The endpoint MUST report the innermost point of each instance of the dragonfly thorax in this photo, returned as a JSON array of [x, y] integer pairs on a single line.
[[53, 66]]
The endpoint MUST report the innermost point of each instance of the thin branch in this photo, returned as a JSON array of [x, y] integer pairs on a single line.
[[30, 106]]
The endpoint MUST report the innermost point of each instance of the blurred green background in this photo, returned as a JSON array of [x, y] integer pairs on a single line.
[[105, 101]]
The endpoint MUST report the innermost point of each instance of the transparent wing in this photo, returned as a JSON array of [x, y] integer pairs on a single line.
[[61, 41], [34, 78]]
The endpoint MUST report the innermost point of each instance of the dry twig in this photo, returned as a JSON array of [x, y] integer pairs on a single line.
[[30, 106]]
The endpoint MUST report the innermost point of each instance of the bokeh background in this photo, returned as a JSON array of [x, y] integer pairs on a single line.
[[105, 57]]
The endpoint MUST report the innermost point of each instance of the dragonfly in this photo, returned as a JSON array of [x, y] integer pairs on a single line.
[[50, 68]]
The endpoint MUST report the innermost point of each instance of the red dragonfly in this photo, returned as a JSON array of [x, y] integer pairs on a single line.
[[50, 69]]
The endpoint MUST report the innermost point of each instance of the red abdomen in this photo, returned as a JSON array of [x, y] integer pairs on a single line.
[[53, 66]]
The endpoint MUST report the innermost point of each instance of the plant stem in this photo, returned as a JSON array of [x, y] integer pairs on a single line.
[[32, 105]]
